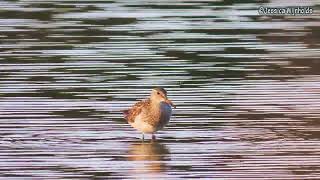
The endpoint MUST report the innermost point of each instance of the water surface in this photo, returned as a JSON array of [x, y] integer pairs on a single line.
[[246, 88]]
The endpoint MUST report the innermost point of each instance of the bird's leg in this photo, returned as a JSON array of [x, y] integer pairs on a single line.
[[153, 137], [142, 136]]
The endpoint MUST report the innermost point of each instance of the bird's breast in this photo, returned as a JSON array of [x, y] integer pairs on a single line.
[[165, 112]]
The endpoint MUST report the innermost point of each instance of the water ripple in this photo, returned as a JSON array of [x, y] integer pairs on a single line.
[[246, 89]]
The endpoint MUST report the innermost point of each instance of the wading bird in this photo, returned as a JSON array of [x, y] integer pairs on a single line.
[[150, 115]]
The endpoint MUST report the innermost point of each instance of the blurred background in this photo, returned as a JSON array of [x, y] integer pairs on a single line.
[[246, 88]]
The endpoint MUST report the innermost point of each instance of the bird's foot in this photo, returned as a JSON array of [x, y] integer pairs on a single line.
[[153, 137]]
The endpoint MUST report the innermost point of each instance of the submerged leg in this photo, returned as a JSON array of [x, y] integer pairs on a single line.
[[153, 137]]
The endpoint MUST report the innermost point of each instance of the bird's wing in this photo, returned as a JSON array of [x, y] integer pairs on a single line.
[[135, 110]]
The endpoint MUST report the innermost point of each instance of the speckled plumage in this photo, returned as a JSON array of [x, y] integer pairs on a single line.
[[135, 110], [152, 114]]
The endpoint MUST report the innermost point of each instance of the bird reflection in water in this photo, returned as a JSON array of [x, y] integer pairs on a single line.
[[149, 159]]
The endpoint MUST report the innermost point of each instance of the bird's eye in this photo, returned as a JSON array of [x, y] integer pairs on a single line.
[[158, 93]]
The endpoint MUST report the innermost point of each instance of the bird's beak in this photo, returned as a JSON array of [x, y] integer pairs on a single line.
[[170, 103]]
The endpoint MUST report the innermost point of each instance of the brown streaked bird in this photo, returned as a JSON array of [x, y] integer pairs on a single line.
[[150, 115]]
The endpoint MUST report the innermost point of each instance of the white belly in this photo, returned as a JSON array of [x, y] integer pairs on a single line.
[[140, 123], [143, 126]]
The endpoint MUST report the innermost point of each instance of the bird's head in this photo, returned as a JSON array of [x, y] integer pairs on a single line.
[[160, 95]]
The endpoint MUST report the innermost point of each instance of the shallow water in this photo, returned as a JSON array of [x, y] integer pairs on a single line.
[[246, 88]]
